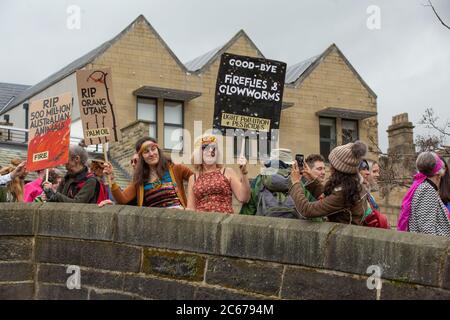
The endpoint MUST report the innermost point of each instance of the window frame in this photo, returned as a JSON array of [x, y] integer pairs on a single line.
[[342, 129], [179, 126], [154, 123], [248, 148], [328, 140]]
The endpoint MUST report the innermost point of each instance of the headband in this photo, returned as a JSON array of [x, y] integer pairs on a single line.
[[146, 145], [439, 164]]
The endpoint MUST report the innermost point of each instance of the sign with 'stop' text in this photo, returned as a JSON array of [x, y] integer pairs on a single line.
[[249, 93], [95, 96], [49, 132]]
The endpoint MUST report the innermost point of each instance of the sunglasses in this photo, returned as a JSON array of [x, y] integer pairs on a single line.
[[133, 161], [208, 147], [99, 162]]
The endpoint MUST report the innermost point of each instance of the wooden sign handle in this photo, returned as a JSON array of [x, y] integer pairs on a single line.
[[105, 154]]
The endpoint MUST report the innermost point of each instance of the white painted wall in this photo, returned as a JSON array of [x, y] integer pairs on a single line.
[[17, 116], [68, 84]]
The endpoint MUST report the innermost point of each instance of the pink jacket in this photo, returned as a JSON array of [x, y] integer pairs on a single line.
[[32, 190]]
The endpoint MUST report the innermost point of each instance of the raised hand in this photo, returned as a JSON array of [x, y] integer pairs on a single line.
[[19, 170], [108, 170], [242, 162]]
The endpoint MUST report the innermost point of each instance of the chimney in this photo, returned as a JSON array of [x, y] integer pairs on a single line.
[[401, 136]]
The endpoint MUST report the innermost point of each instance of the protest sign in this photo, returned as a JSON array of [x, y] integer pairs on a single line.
[[49, 132], [96, 102], [249, 94]]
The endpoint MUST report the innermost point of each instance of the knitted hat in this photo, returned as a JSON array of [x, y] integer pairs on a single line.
[[347, 158]]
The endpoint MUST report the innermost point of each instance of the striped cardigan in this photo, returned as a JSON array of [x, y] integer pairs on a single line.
[[428, 212]]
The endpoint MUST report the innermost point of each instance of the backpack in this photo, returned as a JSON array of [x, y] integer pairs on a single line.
[[101, 191], [274, 200]]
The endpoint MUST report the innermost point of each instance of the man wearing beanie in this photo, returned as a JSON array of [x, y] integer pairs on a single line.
[[345, 199]]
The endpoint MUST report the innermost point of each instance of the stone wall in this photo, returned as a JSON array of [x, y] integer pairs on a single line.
[[141, 253]]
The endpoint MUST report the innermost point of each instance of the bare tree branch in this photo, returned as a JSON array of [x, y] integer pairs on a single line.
[[430, 122], [428, 143], [437, 15]]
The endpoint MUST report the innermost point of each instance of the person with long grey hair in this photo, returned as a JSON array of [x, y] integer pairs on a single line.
[[422, 209]]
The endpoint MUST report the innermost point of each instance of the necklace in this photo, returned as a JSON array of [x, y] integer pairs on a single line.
[[155, 180]]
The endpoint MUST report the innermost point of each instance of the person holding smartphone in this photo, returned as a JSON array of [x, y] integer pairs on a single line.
[[344, 199]]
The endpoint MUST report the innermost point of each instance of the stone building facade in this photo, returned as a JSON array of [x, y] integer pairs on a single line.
[[325, 103]]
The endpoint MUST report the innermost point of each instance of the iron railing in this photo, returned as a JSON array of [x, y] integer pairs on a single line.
[[20, 136]]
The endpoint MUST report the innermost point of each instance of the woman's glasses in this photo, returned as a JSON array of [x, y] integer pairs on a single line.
[[209, 147], [133, 161]]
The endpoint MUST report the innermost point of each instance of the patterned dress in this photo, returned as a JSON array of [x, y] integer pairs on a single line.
[[213, 193], [162, 194]]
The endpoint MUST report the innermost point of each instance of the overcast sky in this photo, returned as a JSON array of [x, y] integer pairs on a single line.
[[406, 62]]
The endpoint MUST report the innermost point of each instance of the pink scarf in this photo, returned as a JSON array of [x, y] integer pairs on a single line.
[[419, 178], [405, 212]]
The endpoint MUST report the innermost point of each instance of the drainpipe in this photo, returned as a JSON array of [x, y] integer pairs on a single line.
[[26, 107]]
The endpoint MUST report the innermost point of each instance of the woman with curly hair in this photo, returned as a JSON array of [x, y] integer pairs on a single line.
[[157, 181], [345, 199]]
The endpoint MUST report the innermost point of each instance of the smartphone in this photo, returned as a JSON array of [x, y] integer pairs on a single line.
[[300, 161]]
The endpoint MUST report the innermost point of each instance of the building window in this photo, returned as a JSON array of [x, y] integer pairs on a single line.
[[238, 147], [256, 146], [349, 131], [327, 136], [146, 111], [173, 125]]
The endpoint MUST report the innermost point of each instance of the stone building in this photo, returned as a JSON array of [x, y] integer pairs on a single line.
[[325, 103]]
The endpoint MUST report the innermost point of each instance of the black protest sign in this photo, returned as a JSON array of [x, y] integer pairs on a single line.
[[249, 94]]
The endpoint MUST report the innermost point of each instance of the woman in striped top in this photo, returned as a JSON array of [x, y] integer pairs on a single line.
[[157, 182]]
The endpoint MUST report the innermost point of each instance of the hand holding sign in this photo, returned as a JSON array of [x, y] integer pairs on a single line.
[[108, 171], [242, 162], [47, 185], [20, 170]]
